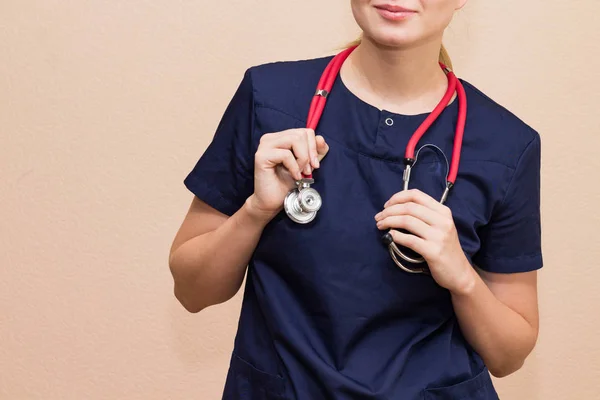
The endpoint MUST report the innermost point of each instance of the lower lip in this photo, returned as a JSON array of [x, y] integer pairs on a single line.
[[395, 15]]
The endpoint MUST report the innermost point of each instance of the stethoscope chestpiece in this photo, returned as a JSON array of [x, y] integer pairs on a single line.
[[400, 258], [302, 203]]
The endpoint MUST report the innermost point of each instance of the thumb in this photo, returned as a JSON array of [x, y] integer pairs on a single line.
[[322, 147]]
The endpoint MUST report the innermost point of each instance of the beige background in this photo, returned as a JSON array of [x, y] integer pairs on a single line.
[[105, 106]]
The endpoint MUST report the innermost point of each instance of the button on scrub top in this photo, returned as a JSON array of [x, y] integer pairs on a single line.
[[326, 313]]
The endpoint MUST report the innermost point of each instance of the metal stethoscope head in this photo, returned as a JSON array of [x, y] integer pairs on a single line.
[[302, 203]]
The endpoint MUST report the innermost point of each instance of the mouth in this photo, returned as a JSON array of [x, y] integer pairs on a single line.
[[394, 12]]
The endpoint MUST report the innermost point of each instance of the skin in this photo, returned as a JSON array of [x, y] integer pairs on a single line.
[[394, 68]]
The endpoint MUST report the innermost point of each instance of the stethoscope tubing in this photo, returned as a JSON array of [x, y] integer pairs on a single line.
[[297, 205]]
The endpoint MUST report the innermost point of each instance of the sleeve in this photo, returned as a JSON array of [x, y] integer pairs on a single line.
[[511, 242], [223, 177]]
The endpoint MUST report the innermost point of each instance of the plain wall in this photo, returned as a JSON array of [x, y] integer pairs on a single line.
[[105, 107]]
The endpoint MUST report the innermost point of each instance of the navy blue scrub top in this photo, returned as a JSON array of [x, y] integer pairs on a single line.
[[326, 313]]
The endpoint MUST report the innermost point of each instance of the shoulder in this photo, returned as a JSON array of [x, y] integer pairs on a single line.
[[498, 128], [287, 86]]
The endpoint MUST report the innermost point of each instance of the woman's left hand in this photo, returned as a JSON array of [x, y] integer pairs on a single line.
[[432, 234]]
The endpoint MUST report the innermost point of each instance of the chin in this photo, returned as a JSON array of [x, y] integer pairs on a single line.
[[392, 39]]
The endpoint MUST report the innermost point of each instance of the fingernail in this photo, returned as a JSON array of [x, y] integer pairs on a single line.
[[307, 169], [377, 216], [316, 162]]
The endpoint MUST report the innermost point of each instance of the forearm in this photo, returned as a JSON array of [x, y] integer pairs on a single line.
[[209, 269], [499, 334]]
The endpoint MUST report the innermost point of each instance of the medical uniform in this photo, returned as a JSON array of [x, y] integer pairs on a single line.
[[326, 313]]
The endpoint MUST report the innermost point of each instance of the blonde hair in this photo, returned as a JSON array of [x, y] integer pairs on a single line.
[[444, 56]]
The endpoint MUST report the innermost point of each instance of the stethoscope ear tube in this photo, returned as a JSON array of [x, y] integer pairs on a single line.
[[387, 239], [415, 270]]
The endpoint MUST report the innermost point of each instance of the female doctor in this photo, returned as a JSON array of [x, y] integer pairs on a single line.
[[330, 311]]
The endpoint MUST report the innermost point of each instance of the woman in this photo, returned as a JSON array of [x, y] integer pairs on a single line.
[[327, 314]]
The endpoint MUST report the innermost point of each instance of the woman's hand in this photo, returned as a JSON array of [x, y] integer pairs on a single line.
[[280, 160], [432, 234]]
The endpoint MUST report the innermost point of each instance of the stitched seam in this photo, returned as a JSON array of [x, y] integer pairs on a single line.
[[489, 161], [523, 256], [253, 120], [268, 107], [253, 368], [515, 172], [197, 180], [329, 137]]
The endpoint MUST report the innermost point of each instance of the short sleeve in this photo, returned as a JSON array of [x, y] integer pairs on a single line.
[[511, 242], [223, 176]]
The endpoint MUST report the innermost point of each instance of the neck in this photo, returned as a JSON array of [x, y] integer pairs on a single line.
[[406, 81]]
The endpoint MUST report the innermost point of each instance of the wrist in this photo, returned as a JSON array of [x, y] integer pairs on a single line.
[[257, 214], [467, 282]]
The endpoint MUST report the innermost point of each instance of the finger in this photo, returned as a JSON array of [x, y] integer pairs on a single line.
[[312, 148], [413, 242], [322, 147], [295, 140], [415, 196], [285, 157], [302, 153], [407, 222], [290, 162], [419, 211], [269, 137]]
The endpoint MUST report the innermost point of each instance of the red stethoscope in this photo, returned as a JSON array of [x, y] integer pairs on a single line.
[[302, 203]]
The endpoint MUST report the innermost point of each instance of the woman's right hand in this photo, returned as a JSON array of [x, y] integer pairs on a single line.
[[279, 162]]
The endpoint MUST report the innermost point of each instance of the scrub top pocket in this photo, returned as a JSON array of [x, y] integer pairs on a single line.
[[479, 387], [246, 382]]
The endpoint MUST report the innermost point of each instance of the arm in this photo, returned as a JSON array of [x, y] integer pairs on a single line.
[[498, 314], [238, 190], [210, 253], [498, 309]]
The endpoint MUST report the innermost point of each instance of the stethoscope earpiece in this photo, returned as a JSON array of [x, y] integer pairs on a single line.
[[387, 239]]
